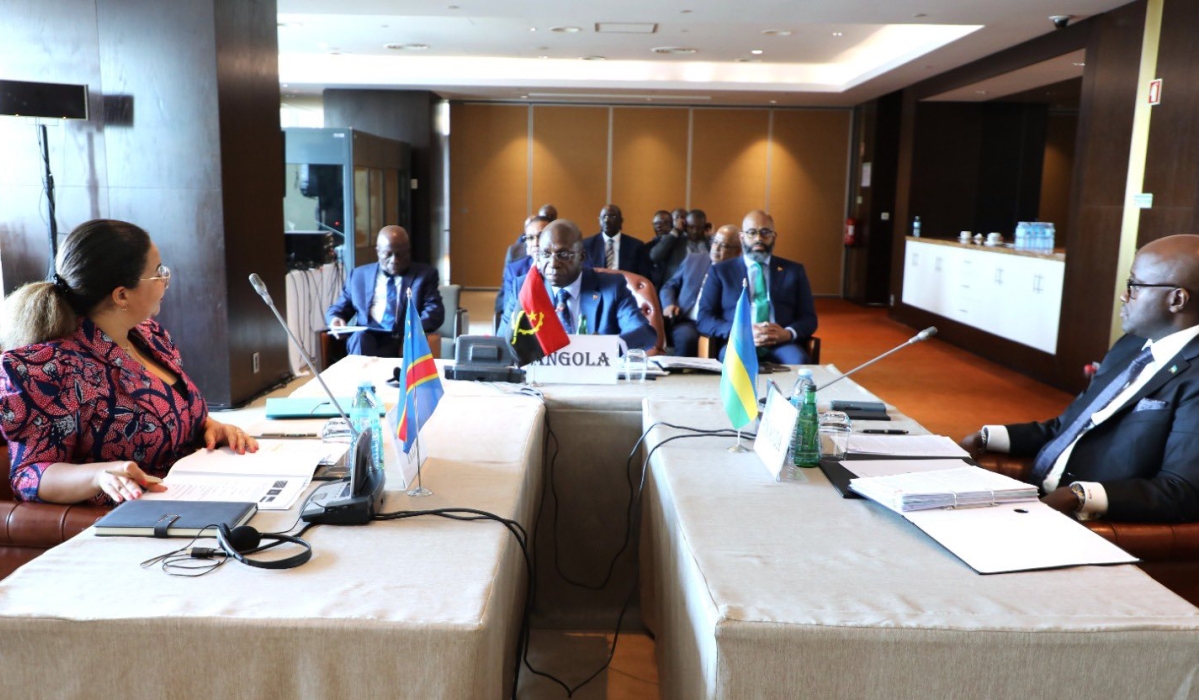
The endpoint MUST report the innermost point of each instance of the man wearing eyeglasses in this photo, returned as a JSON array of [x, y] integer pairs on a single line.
[[377, 295], [587, 301], [680, 294], [519, 267], [781, 298], [1128, 447]]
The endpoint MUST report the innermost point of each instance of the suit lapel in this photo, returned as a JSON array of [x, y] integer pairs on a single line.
[[1176, 367], [589, 299], [778, 275]]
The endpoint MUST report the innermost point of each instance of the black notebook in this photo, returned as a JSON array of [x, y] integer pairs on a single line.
[[155, 518]]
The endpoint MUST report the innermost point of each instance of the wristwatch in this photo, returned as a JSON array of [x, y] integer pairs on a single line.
[[1080, 493]]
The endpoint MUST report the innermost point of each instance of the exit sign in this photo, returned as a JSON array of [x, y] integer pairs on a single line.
[[1155, 92]]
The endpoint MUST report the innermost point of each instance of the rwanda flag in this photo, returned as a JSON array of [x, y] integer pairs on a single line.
[[420, 385], [536, 330], [739, 373]]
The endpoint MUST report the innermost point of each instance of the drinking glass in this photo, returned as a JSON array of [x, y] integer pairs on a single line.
[[635, 364], [835, 431]]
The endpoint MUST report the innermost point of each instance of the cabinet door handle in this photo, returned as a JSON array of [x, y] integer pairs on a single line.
[[999, 276], [1036, 283], [937, 265]]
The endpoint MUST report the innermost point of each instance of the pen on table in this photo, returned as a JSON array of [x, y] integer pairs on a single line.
[[893, 431], [121, 472], [286, 436]]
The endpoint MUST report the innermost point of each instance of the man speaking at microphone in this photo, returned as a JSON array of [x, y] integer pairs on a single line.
[[376, 295], [1128, 447]]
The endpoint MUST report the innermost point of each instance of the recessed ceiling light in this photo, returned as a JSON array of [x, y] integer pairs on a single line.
[[406, 47], [756, 52], [543, 56], [674, 49], [684, 12], [566, 30], [452, 7], [1079, 64], [837, 34], [980, 92], [776, 32], [532, 29], [595, 58]]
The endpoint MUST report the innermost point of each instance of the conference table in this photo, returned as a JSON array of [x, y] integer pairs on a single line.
[[784, 589], [754, 588]]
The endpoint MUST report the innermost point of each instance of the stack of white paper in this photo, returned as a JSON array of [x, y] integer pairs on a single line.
[[906, 445], [945, 488]]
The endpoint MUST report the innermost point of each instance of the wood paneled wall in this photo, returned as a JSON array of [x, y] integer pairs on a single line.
[[197, 162], [507, 160]]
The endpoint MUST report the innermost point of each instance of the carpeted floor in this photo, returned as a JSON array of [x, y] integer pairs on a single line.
[[946, 389]]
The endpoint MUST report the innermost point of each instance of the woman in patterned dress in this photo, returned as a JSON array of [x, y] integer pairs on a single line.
[[93, 396]]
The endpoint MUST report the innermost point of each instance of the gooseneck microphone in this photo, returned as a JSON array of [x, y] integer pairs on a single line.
[[260, 287], [919, 337]]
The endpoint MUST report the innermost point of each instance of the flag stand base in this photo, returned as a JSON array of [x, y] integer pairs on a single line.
[[420, 491], [738, 448]]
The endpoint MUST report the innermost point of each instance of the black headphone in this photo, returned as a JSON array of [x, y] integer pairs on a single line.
[[243, 540]]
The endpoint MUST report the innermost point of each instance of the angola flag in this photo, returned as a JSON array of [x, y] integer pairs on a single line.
[[536, 330]]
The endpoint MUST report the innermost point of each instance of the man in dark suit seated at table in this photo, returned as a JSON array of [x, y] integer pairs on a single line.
[[519, 267], [376, 295], [517, 250], [587, 301], [612, 249], [780, 296], [680, 294], [1128, 447]]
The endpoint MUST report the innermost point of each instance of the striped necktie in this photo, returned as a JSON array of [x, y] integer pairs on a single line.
[[610, 252], [563, 310], [1053, 449]]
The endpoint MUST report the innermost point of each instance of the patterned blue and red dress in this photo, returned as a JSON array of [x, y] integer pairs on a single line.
[[83, 399]]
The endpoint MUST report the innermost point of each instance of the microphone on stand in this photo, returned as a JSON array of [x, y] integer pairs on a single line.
[[919, 337], [260, 287]]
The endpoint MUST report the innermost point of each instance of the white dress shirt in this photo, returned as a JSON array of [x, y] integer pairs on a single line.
[[379, 300], [575, 289]]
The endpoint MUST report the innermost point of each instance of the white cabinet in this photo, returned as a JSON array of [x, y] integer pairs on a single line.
[[1017, 297]]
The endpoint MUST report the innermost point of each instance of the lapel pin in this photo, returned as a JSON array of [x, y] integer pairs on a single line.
[[1174, 369]]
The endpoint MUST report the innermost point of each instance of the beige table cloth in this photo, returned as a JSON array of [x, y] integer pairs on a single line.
[[417, 608], [786, 590]]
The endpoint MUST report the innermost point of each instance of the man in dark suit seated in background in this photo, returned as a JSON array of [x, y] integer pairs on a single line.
[[614, 250], [376, 295], [781, 298], [1128, 447], [690, 236], [680, 294], [661, 224], [518, 268], [516, 251], [587, 301]]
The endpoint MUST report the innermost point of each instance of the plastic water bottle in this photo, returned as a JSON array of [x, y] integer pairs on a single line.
[[364, 414], [807, 430], [1021, 235], [916, 227], [1050, 234]]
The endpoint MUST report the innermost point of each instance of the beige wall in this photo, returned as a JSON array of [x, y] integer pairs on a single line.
[[507, 160]]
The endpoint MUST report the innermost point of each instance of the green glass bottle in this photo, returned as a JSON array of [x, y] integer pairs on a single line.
[[807, 430]]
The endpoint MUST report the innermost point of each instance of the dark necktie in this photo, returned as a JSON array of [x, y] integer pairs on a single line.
[[1053, 449], [609, 253], [563, 310], [389, 314]]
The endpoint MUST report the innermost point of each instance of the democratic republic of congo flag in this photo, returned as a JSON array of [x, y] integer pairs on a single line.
[[420, 385], [739, 372], [536, 330]]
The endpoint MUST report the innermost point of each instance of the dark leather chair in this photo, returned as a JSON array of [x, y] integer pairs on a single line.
[[647, 300], [710, 348], [1168, 552], [28, 529]]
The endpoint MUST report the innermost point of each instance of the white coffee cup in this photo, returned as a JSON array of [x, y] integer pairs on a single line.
[[964, 236], [994, 238]]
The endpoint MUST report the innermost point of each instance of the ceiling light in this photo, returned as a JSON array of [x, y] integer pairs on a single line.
[[837, 34], [323, 45], [776, 32], [918, 15], [674, 49], [532, 29], [1079, 64], [774, 102], [756, 52], [595, 58], [452, 7], [626, 27], [684, 12], [406, 47], [980, 92], [566, 30], [543, 56], [749, 60]]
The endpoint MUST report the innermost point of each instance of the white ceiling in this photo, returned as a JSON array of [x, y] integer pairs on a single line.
[[838, 52]]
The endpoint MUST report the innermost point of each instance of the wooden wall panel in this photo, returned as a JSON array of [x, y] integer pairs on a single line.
[[488, 188], [570, 162], [728, 163], [808, 175], [649, 164], [1057, 169]]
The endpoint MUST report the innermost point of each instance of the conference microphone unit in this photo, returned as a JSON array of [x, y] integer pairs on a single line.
[[919, 337], [352, 501], [260, 287]]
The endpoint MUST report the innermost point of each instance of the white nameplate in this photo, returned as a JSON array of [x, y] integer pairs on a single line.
[[589, 359], [775, 430]]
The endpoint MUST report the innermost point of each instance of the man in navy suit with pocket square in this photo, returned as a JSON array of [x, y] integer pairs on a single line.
[[680, 294], [1128, 447], [376, 295], [587, 301], [784, 314]]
